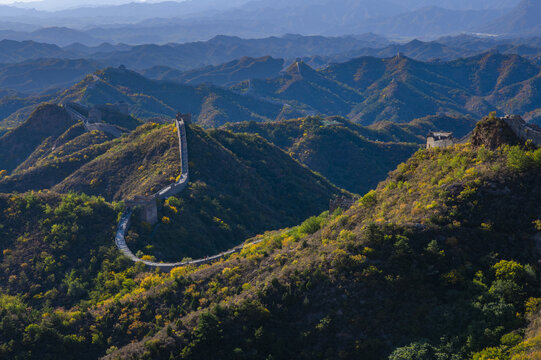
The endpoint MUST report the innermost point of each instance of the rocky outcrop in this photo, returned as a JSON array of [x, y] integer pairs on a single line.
[[493, 132]]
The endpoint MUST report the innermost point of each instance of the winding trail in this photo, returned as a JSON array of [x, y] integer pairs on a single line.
[[168, 191]]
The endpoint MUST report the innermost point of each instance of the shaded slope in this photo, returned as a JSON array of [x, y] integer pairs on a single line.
[[46, 121], [335, 148]]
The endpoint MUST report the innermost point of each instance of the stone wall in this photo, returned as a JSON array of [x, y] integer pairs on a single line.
[[431, 143], [523, 130], [148, 204]]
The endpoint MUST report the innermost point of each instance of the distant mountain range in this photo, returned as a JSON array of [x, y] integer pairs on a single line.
[[400, 89], [226, 74], [192, 55], [366, 90], [161, 23], [524, 20], [318, 51]]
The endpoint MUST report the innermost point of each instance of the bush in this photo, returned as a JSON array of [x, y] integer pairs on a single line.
[[310, 225], [518, 159]]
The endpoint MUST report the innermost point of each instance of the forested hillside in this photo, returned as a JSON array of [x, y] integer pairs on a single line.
[[240, 184], [429, 265], [341, 151]]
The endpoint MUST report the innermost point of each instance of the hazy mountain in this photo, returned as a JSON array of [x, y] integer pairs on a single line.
[[164, 22], [189, 56], [16, 51], [523, 20], [460, 4], [430, 21], [222, 49], [38, 76], [223, 75], [210, 105], [83, 50], [61, 36]]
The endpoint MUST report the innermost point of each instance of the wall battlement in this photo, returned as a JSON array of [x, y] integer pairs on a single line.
[[439, 139], [149, 209], [523, 130]]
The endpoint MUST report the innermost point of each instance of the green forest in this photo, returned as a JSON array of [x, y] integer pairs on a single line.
[[438, 262]]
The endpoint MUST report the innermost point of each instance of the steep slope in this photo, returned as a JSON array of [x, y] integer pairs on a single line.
[[334, 148], [239, 185], [47, 121]]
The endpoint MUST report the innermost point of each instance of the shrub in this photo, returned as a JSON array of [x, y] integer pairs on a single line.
[[310, 225], [518, 159]]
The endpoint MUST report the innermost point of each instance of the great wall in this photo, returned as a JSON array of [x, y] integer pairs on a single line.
[[93, 120], [523, 130], [148, 208], [148, 204]]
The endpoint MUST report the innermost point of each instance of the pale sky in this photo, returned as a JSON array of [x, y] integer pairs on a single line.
[[61, 4]]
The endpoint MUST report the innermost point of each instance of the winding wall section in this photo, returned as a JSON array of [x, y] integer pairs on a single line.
[[171, 190]]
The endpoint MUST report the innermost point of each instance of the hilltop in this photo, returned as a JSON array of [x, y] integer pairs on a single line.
[[430, 262], [44, 75], [48, 121]]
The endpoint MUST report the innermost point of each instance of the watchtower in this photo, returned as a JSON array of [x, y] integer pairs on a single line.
[[149, 209], [439, 140], [187, 118]]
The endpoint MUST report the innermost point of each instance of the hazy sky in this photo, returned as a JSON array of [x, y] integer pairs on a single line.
[[61, 4]]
